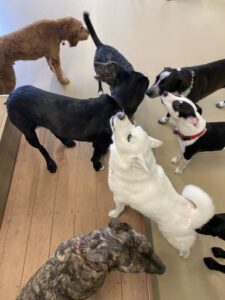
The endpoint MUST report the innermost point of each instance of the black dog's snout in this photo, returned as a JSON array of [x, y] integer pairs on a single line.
[[121, 115], [149, 92], [165, 94]]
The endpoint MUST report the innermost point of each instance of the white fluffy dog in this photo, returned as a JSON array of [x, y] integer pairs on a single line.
[[136, 180]]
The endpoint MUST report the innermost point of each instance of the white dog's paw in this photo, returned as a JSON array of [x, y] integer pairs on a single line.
[[163, 120], [220, 104], [102, 168], [184, 254], [174, 160], [100, 93], [178, 171], [114, 213]]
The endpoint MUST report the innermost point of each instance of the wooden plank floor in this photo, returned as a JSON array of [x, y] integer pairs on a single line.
[[44, 209]]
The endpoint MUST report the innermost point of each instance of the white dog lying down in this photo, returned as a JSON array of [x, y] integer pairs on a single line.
[[136, 180]]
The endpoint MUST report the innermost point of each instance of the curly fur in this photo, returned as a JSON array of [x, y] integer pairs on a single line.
[[39, 39]]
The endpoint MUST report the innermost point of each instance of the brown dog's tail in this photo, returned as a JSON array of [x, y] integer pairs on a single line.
[[91, 30]]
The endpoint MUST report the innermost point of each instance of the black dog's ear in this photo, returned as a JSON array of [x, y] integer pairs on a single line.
[[184, 81], [120, 77], [199, 109], [118, 226], [108, 71], [145, 81], [168, 69]]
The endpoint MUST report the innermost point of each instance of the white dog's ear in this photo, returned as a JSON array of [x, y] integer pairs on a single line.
[[155, 143]]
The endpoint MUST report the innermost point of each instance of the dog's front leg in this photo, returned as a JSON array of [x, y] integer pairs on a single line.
[[54, 63], [176, 159], [118, 210], [182, 165]]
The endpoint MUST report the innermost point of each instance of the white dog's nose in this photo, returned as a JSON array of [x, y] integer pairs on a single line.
[[121, 115]]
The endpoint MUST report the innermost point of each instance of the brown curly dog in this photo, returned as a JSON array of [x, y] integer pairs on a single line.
[[41, 38]]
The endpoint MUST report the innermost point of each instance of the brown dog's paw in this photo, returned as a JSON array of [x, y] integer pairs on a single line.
[[65, 81]]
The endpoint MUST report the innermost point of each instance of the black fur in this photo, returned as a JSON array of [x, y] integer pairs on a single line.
[[73, 119], [208, 78], [212, 140], [215, 227], [107, 61]]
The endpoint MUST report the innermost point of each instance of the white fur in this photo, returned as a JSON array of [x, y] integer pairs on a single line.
[[138, 181], [185, 126]]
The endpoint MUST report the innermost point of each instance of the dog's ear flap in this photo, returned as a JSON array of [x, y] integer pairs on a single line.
[[101, 255], [109, 69], [154, 143], [118, 226], [199, 109], [184, 81]]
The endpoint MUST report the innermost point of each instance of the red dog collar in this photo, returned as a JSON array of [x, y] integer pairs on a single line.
[[190, 137]]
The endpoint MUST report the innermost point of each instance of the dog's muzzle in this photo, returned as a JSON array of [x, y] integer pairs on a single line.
[[121, 115]]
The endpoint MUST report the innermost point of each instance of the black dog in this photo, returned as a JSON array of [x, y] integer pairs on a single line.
[[107, 61], [215, 227], [73, 119], [195, 83]]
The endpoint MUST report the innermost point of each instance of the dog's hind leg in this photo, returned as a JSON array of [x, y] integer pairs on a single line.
[[32, 139], [118, 210], [213, 265], [100, 88], [218, 252], [66, 142], [7, 79]]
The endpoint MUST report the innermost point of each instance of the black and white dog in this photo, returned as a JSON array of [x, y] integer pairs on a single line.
[[194, 133], [195, 83], [107, 61], [215, 227], [75, 119]]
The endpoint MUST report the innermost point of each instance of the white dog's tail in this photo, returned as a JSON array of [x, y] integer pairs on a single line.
[[204, 205]]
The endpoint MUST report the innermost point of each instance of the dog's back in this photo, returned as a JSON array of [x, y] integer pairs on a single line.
[[105, 55], [24, 44]]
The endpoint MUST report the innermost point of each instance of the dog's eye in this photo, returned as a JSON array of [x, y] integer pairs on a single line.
[[129, 137]]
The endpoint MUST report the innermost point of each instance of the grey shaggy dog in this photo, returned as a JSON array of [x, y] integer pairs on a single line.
[[107, 61], [80, 265]]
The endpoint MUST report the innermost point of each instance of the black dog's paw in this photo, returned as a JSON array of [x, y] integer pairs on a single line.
[[51, 166], [218, 252], [210, 263], [98, 166], [70, 143]]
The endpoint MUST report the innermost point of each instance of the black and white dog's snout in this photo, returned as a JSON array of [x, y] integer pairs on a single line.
[[121, 115]]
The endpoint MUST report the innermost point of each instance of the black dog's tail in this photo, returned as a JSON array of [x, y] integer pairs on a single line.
[[91, 30]]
